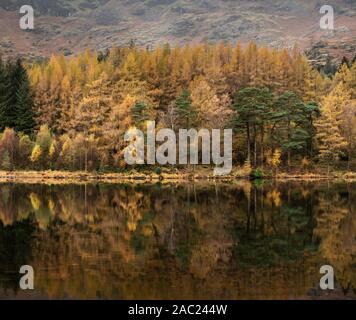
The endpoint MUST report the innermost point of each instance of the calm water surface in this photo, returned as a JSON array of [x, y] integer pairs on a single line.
[[188, 241]]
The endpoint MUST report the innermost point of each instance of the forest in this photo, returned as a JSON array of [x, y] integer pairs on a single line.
[[71, 113]]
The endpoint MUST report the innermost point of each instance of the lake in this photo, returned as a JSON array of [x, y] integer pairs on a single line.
[[196, 240]]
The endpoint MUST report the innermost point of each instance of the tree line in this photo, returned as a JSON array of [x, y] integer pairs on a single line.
[[72, 113]]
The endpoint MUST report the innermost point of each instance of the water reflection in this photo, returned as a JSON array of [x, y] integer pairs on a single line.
[[189, 241]]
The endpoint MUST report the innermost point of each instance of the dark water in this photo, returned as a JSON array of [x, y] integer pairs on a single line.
[[189, 241]]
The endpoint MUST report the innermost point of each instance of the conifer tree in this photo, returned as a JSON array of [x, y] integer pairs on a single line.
[[8, 112], [140, 113], [252, 106], [212, 111], [3, 82], [93, 110], [16, 102], [185, 109], [120, 120], [350, 81], [291, 119], [331, 143], [312, 110], [25, 118], [341, 75]]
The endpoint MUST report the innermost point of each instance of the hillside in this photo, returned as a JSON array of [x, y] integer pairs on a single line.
[[71, 26]]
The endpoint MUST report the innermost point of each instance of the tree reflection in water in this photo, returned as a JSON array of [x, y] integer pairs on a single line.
[[188, 241]]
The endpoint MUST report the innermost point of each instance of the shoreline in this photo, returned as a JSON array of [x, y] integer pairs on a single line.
[[77, 177]]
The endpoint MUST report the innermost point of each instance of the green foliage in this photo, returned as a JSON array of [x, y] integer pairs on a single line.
[[3, 83], [16, 98], [25, 117], [291, 119], [185, 109], [257, 173], [8, 114], [140, 113], [44, 139], [252, 107], [158, 171], [25, 146], [6, 161]]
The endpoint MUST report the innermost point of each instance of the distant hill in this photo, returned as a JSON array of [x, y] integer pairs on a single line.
[[71, 26]]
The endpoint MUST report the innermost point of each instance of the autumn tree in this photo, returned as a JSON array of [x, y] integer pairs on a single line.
[[9, 149], [349, 128], [40, 151], [330, 140], [25, 149], [350, 81], [212, 111], [120, 120]]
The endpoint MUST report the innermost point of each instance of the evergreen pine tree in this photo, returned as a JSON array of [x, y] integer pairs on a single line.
[[3, 80], [25, 117], [140, 113], [291, 120], [8, 102], [252, 106], [185, 109], [16, 102], [312, 110]]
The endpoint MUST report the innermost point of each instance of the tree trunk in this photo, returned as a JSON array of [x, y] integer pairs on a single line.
[[248, 141], [289, 137], [255, 146], [86, 159], [349, 156], [328, 169], [262, 146], [86, 152]]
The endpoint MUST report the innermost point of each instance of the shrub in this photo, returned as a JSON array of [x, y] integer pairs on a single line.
[[257, 173]]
